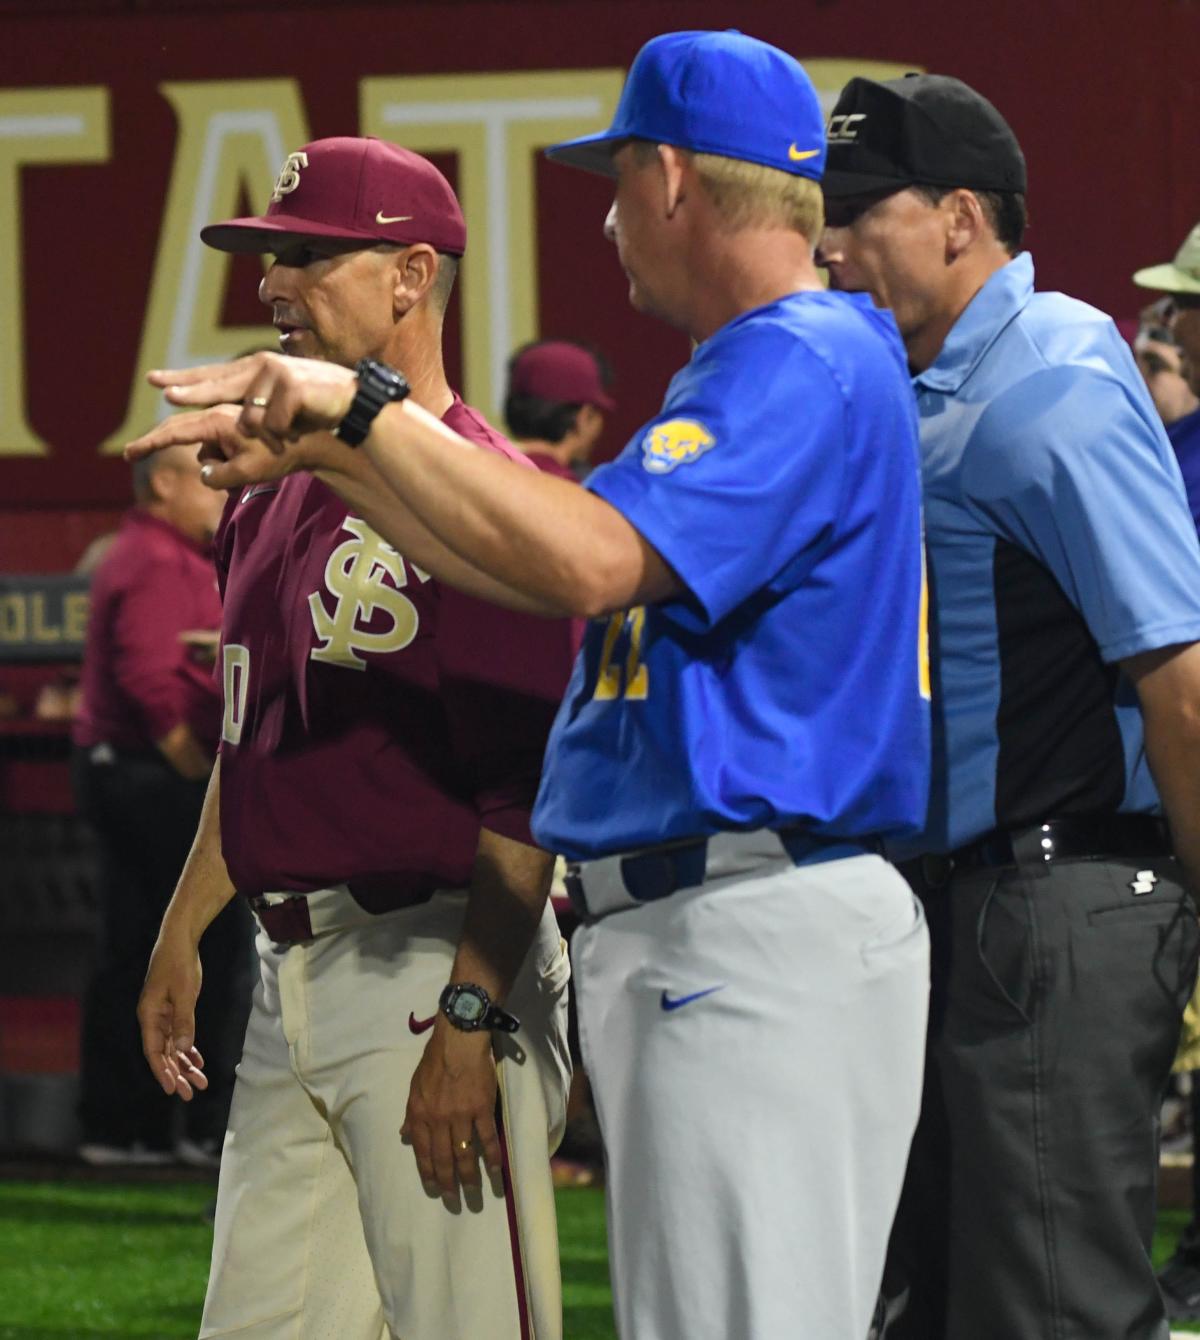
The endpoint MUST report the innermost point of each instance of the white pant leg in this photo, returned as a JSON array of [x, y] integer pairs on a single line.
[[438, 1274], [289, 1258], [756, 1136]]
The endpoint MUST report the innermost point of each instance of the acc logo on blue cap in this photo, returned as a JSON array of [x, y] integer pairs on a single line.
[[676, 442]]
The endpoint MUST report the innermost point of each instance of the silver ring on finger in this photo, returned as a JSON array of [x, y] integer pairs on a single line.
[[259, 401]]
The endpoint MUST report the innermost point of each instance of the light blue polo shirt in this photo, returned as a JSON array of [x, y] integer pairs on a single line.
[[1059, 543]]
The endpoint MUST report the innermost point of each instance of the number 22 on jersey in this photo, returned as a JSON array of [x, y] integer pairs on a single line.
[[630, 679]]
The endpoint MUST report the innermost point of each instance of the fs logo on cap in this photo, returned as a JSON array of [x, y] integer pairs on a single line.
[[843, 129], [676, 442], [289, 176]]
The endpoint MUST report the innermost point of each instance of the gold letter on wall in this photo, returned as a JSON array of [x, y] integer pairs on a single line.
[[37, 125], [233, 136], [494, 123]]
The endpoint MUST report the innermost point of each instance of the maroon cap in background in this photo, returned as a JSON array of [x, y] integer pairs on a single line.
[[561, 372], [356, 189]]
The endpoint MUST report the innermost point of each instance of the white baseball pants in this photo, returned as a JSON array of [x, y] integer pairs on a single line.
[[755, 1048], [323, 1228]]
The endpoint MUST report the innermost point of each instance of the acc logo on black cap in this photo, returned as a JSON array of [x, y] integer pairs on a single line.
[[844, 129]]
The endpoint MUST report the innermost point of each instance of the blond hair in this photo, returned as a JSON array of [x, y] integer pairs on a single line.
[[748, 195]]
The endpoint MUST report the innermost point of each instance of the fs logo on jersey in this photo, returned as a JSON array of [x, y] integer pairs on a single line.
[[676, 442], [354, 576]]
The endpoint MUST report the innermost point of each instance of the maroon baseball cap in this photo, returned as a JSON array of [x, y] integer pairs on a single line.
[[561, 372], [353, 188]]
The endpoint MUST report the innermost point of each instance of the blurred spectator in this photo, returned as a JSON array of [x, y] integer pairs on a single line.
[[1170, 335], [60, 698], [145, 739], [1161, 364], [556, 402]]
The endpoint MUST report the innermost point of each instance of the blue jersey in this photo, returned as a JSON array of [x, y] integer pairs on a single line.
[[787, 683], [1059, 543]]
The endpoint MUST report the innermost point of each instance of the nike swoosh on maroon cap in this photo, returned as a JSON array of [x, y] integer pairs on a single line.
[[416, 1025]]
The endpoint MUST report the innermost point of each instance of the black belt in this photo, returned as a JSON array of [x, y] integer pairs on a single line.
[[1079, 837]]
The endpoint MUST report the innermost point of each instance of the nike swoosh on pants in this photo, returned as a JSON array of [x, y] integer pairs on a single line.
[[677, 1002]]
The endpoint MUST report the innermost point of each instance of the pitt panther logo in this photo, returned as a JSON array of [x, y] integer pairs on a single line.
[[354, 576], [677, 442], [289, 176]]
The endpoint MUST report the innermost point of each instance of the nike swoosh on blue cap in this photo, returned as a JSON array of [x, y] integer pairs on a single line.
[[714, 93]]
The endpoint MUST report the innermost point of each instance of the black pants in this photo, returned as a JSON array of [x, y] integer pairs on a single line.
[[145, 815], [1029, 1204]]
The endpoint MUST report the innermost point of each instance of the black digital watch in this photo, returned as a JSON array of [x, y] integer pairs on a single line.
[[378, 385], [469, 1008]]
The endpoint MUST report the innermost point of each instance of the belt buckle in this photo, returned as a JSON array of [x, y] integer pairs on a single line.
[[649, 875]]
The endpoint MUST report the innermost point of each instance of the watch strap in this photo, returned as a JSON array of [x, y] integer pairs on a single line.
[[378, 385]]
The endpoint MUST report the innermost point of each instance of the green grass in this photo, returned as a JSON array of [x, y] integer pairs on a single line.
[[128, 1262]]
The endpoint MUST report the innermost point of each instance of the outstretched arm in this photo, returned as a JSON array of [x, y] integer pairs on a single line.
[[537, 535], [234, 459]]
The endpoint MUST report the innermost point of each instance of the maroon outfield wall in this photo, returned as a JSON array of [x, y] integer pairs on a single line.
[[120, 121]]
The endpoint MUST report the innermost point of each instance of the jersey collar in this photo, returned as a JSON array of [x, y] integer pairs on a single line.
[[1001, 299]]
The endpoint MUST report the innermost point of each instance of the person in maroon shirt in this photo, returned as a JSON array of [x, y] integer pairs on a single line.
[[555, 404], [381, 748], [145, 738]]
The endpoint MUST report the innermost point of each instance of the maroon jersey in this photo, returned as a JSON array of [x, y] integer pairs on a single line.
[[375, 720], [139, 679], [550, 465]]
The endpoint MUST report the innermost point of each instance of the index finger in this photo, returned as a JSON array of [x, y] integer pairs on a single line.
[[241, 370], [210, 383], [179, 430]]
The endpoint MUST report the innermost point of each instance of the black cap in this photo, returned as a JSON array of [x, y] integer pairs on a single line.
[[922, 130]]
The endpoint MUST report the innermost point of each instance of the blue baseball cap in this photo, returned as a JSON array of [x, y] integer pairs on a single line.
[[714, 93]]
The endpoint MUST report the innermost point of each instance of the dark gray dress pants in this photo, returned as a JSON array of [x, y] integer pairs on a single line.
[[1029, 1203]]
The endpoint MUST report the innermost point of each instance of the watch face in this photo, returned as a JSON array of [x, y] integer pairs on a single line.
[[390, 382], [468, 1007]]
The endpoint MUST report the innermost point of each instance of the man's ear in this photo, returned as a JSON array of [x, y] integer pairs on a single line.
[[415, 272], [966, 222], [675, 165], [162, 485]]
